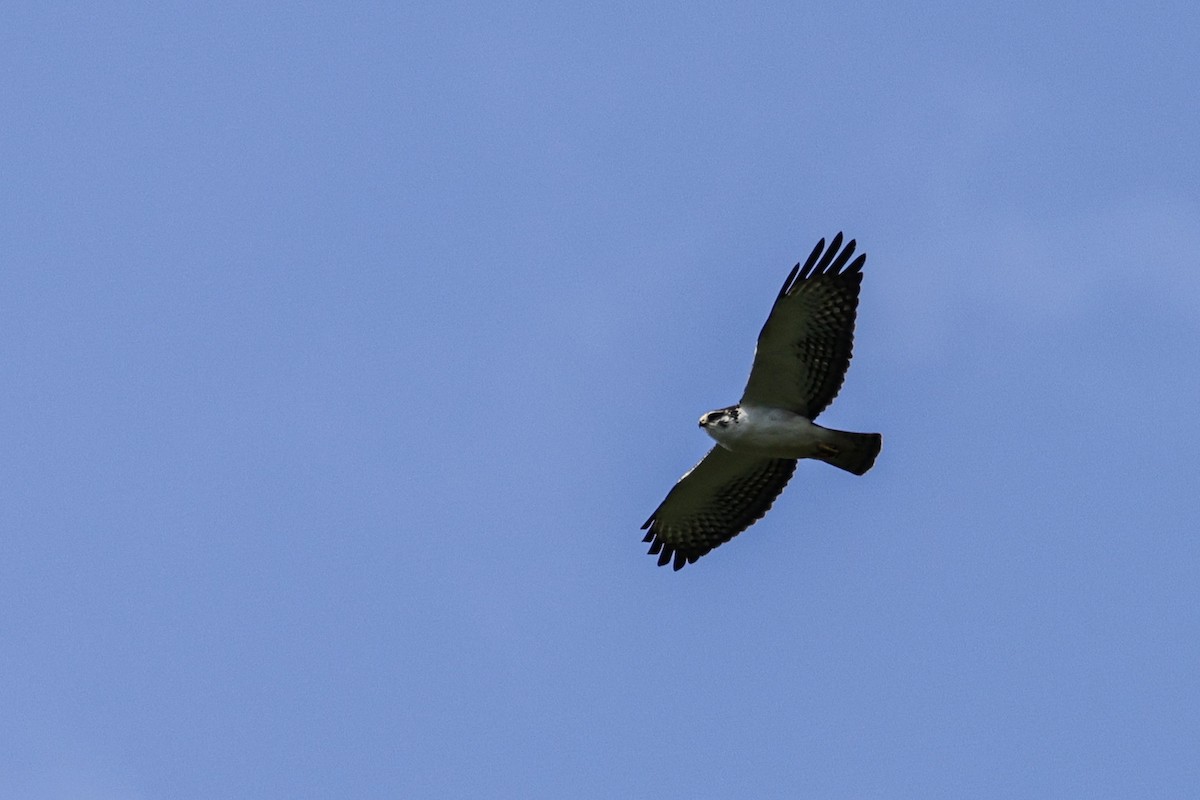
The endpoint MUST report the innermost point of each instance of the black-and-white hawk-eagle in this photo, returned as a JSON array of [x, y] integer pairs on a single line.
[[800, 361]]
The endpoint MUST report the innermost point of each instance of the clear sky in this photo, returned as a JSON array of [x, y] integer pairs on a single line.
[[344, 348]]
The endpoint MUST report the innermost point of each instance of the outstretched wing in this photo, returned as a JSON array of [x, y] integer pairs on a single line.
[[805, 346], [716, 500]]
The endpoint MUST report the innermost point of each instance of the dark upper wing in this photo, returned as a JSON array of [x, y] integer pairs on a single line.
[[804, 348], [716, 500]]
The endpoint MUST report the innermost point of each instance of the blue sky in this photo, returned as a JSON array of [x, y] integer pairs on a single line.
[[345, 349]]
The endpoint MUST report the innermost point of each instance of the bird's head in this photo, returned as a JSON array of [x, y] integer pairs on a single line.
[[721, 418]]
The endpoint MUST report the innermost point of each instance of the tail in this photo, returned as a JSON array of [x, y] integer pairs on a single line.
[[853, 452]]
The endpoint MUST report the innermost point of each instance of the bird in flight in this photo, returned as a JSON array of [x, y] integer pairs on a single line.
[[800, 361]]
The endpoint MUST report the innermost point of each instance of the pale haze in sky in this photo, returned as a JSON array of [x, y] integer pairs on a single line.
[[344, 348]]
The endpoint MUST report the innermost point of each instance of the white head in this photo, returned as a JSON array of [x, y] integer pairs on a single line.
[[719, 422]]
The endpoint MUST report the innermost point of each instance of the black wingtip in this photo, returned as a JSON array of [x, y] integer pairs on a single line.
[[787, 282], [842, 258], [668, 554], [825, 261], [811, 261], [835, 244]]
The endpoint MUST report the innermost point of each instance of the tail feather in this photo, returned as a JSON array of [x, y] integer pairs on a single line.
[[853, 452]]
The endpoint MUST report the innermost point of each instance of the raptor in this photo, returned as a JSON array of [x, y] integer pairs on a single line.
[[800, 361]]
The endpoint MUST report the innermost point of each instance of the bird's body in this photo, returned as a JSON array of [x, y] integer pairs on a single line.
[[764, 431], [801, 359], [778, 433]]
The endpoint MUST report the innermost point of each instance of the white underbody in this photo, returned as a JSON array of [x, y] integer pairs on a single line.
[[770, 432]]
